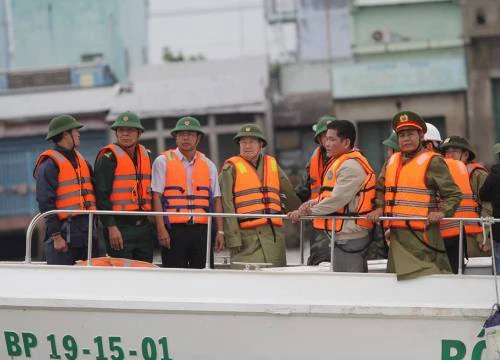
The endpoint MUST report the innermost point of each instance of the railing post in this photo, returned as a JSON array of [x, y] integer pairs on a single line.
[[460, 247], [209, 241], [89, 239], [332, 245], [301, 242]]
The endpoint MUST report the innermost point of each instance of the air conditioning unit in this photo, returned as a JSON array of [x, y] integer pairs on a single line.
[[382, 36]]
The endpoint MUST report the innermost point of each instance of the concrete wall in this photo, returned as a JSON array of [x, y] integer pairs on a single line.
[[418, 22], [451, 106], [482, 26]]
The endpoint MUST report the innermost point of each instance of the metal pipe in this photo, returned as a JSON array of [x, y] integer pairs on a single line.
[[29, 231], [332, 245], [301, 242], [89, 239], [460, 247], [209, 242]]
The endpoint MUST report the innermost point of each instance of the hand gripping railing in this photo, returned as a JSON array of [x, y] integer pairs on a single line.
[[91, 213]]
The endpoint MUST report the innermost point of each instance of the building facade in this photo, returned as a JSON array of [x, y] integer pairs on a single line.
[[64, 33], [482, 35], [403, 54]]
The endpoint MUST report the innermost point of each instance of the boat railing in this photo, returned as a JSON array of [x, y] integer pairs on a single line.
[[486, 223]]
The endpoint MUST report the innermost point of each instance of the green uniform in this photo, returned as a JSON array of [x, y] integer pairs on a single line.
[[137, 231], [476, 181], [408, 256], [265, 243], [319, 242]]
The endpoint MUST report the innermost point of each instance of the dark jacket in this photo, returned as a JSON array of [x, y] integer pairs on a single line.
[[46, 187], [490, 191]]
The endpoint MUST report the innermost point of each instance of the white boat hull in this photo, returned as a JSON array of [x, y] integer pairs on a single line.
[[221, 314]]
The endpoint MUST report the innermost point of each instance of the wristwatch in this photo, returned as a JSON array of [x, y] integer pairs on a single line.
[[220, 232]]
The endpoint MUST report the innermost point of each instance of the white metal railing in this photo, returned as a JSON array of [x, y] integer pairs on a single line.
[[484, 221]]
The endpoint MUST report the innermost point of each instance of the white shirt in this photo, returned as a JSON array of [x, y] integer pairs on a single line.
[[160, 169]]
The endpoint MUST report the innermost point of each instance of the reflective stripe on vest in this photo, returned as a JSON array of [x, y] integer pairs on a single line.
[[406, 193], [131, 189], [365, 195], [179, 196], [74, 186], [251, 195], [468, 206], [316, 169]]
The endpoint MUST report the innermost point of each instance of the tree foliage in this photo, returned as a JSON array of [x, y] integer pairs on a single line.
[[170, 56]]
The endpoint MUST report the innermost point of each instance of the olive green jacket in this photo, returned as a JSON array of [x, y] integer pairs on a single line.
[[265, 243], [409, 257]]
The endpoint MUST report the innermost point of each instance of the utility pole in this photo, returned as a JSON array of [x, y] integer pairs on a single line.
[[9, 30], [329, 52]]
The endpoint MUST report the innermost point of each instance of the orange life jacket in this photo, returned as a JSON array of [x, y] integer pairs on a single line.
[[468, 206], [255, 196], [366, 193], [473, 166], [115, 262], [74, 189], [176, 196], [131, 189], [406, 193], [316, 169]]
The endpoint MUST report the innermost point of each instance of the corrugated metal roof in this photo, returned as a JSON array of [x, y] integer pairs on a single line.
[[205, 87], [46, 104]]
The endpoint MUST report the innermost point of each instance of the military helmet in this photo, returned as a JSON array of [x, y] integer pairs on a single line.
[[459, 143], [187, 123], [250, 130], [322, 125], [392, 142], [128, 119], [60, 124], [408, 119]]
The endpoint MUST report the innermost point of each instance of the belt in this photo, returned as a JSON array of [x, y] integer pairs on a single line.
[[133, 220]]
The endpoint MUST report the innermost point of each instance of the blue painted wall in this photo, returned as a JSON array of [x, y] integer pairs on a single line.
[[17, 160], [60, 32]]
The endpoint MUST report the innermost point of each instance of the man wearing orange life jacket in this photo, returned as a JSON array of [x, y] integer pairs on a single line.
[[310, 186], [347, 188], [410, 184], [459, 149], [122, 182], [63, 181], [185, 180], [253, 183]]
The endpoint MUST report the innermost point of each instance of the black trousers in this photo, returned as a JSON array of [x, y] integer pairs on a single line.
[[188, 247], [452, 248]]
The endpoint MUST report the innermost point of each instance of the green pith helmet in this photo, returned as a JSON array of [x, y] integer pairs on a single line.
[[321, 126], [392, 142], [250, 130], [60, 124], [127, 119], [460, 143], [187, 123]]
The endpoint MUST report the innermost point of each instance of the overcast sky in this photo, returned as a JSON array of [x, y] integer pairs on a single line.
[[216, 29]]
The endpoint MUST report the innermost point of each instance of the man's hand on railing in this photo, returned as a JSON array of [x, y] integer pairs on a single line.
[[60, 244], [115, 238], [163, 237], [219, 241], [235, 250], [435, 217], [375, 215]]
